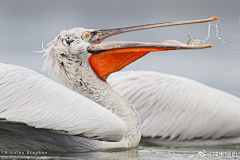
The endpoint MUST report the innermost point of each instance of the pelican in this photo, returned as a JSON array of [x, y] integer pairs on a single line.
[[84, 113]]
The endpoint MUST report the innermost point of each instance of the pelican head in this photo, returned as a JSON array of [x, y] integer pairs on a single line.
[[81, 47]]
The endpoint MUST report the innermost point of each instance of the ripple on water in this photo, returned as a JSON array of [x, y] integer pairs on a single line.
[[150, 152]]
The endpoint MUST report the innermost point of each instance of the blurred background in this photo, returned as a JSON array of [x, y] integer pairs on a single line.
[[25, 24]]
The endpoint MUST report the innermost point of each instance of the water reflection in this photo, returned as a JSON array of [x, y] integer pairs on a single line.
[[143, 152], [112, 154]]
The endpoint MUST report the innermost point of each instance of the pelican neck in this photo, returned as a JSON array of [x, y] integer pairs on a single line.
[[86, 82]]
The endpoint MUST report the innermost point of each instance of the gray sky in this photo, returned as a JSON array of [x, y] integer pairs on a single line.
[[25, 24]]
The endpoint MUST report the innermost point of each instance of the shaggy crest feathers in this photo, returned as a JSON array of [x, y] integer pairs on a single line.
[[66, 47]]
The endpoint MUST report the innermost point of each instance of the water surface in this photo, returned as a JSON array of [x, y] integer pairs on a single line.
[[144, 151]]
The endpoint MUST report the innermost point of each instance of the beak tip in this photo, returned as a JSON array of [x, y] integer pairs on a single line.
[[215, 18]]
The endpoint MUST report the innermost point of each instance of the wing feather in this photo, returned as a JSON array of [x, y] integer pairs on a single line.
[[30, 98], [178, 108]]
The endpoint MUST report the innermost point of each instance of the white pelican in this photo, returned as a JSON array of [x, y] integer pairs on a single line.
[[37, 113]]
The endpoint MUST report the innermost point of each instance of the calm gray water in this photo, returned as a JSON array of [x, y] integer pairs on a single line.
[[25, 24], [161, 153], [141, 152], [158, 153]]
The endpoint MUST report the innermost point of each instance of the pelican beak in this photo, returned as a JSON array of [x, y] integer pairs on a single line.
[[109, 57]]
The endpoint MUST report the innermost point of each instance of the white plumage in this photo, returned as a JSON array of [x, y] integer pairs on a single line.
[[88, 116], [177, 108], [30, 98]]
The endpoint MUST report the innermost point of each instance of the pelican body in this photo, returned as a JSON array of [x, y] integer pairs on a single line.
[[180, 112], [84, 113]]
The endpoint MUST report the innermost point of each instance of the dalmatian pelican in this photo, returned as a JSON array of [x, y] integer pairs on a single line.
[[85, 113]]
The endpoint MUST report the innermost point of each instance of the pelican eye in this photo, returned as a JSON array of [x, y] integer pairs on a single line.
[[86, 36]]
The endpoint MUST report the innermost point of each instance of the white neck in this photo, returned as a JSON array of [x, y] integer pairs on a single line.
[[83, 79]]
